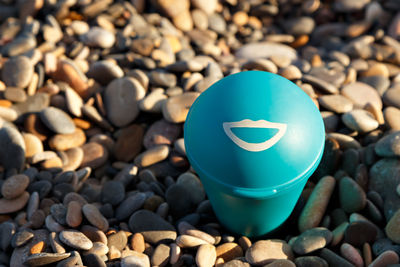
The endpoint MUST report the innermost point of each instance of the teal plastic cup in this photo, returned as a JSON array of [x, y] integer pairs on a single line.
[[254, 138]]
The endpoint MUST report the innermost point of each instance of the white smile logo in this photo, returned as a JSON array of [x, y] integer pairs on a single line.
[[255, 147]]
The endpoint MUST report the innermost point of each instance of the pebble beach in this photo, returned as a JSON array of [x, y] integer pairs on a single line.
[[93, 98]]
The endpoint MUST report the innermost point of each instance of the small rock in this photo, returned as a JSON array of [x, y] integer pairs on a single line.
[[40, 259], [74, 102], [118, 240], [392, 118], [360, 120], [352, 196], [138, 260], [94, 155], [57, 120], [74, 214], [12, 153], [265, 251], [333, 259], [151, 226], [206, 255], [351, 254], [13, 205], [121, 100], [33, 145], [113, 192], [392, 228], [152, 156], [17, 72], [312, 240], [162, 78], [176, 108], [14, 186], [130, 205], [94, 216], [161, 133], [299, 25], [99, 37], [129, 143], [160, 256], [265, 50], [360, 232], [387, 258], [15, 94], [75, 239], [350, 5], [187, 241], [389, 145], [21, 237], [62, 142], [360, 94], [105, 71], [310, 261], [336, 103]]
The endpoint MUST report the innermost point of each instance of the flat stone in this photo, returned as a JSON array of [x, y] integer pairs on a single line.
[[98, 37], [312, 240], [104, 71], [387, 258], [8, 114], [180, 200], [13, 205], [161, 133], [152, 156], [75, 157], [361, 94], [17, 72], [93, 215], [236, 263], [266, 251], [193, 185], [384, 176], [12, 153], [152, 227], [176, 108], [63, 142], [317, 203], [136, 260], [153, 102], [392, 118], [352, 196], [187, 241], [99, 248], [392, 228], [21, 237], [44, 258], [33, 145], [57, 120], [160, 256], [229, 251], [389, 145], [162, 78], [74, 102], [93, 260], [336, 103], [350, 5], [7, 230], [94, 234], [74, 214], [299, 25], [23, 43], [129, 143], [206, 255], [75, 239], [121, 100], [265, 50], [310, 261], [360, 232], [320, 84], [113, 192], [118, 240], [281, 263], [15, 94], [351, 254], [333, 259], [14, 186], [130, 205], [94, 155], [360, 120]]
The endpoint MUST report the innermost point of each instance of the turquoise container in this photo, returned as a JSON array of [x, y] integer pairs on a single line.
[[254, 138]]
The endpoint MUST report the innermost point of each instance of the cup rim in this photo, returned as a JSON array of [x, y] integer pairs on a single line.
[[263, 192]]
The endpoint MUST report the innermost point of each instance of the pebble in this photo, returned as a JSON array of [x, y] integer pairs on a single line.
[[180, 200], [121, 100], [151, 226], [206, 255], [320, 84], [333, 259], [361, 94], [392, 228], [93, 215], [17, 72], [138, 260], [74, 102], [299, 25], [187, 241], [137, 242], [310, 261], [359, 232], [392, 97], [389, 145], [383, 176], [265, 50], [391, 118], [15, 94], [13, 205], [12, 154], [385, 259], [236, 263], [129, 143], [14, 186], [152, 156], [360, 120], [75, 239], [265, 251], [63, 142], [336, 103], [351, 254], [153, 101], [130, 205], [352, 196], [229, 251], [21, 237], [94, 234], [162, 78], [312, 240], [94, 155], [40, 259], [105, 71], [93, 260], [160, 256], [113, 192], [118, 240], [98, 37], [74, 214], [161, 133], [57, 120], [316, 205], [175, 109], [75, 157], [350, 6], [33, 145]]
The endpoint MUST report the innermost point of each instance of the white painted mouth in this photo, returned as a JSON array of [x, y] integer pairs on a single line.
[[246, 123]]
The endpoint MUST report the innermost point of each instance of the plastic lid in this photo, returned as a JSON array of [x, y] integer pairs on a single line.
[[254, 131]]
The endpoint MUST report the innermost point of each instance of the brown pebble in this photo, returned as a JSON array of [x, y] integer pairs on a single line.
[[94, 155], [94, 234], [244, 242], [367, 254], [137, 242], [94, 216], [385, 259], [33, 144], [62, 142], [129, 143], [52, 164], [351, 254], [74, 214], [229, 251], [12, 205], [316, 205], [14, 186], [34, 125], [37, 248]]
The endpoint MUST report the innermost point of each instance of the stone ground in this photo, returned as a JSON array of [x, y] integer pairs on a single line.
[[93, 96]]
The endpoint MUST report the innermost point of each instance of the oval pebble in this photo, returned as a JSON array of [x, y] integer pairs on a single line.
[[93, 215], [360, 120], [17, 71], [206, 255], [75, 239], [57, 120], [265, 251], [14, 186]]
